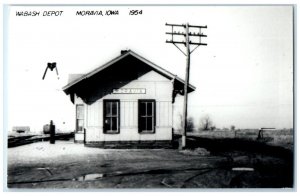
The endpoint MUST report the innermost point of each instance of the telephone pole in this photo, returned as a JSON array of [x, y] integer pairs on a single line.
[[197, 42]]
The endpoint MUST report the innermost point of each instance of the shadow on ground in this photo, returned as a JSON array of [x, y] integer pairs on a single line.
[[273, 165]]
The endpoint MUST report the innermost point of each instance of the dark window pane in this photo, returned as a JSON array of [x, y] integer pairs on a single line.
[[142, 108], [114, 108], [107, 123], [107, 109], [149, 124], [149, 108], [143, 124], [114, 125]]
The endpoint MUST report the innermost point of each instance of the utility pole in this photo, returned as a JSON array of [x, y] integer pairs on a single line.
[[187, 34]]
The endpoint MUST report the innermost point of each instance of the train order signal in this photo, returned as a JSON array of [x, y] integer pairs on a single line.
[[50, 66]]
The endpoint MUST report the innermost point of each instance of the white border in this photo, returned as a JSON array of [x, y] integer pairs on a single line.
[[179, 2]]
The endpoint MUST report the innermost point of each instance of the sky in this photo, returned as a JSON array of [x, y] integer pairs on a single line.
[[243, 77]]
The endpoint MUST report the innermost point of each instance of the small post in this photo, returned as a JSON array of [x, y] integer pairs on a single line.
[[52, 133]]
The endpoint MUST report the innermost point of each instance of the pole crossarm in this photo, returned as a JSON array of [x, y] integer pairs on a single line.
[[200, 44], [202, 27], [176, 25], [190, 34], [175, 42], [184, 43], [184, 25]]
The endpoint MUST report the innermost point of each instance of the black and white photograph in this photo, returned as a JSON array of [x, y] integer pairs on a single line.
[[151, 97]]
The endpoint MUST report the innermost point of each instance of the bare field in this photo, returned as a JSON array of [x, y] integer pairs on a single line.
[[283, 138]]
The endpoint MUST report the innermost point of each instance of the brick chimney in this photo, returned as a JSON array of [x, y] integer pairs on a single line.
[[124, 51]]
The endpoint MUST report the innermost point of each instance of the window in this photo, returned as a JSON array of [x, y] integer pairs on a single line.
[[111, 116], [146, 116], [79, 118]]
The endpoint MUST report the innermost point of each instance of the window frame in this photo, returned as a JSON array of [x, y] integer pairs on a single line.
[[118, 116], [77, 119], [153, 116]]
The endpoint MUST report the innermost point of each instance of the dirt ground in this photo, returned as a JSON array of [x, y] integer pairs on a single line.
[[68, 165]]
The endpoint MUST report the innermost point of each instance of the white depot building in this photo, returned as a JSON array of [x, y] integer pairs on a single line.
[[127, 102]]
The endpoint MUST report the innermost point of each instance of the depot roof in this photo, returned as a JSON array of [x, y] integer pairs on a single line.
[[123, 55]]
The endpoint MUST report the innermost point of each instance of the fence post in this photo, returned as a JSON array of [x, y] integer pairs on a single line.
[[260, 134]]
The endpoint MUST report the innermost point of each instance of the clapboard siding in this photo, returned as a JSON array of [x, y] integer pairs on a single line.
[[94, 114], [129, 114], [160, 90], [164, 113]]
